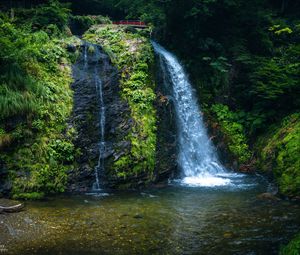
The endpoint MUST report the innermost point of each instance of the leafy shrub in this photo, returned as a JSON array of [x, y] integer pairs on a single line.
[[293, 248], [44, 16], [276, 82], [63, 151], [233, 131]]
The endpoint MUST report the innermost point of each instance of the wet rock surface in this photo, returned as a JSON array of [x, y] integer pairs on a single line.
[[118, 123], [86, 115], [166, 156]]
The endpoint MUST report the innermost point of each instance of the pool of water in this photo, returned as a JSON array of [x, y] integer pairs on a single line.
[[176, 219]]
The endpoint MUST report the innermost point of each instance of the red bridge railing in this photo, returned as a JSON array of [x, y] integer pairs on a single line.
[[130, 23]]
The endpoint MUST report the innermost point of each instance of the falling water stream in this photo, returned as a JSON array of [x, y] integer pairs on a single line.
[[197, 156], [99, 89], [94, 57]]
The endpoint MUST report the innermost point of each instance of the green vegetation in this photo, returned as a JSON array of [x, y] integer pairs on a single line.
[[52, 17], [83, 23], [233, 131], [35, 101], [279, 152], [133, 56], [293, 248]]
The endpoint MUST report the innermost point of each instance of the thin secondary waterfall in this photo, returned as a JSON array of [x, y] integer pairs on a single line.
[[99, 88], [94, 57], [197, 157]]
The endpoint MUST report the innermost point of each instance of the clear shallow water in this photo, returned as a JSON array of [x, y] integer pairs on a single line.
[[170, 220]]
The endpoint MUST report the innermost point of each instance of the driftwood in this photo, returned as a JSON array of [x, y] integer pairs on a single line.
[[11, 209]]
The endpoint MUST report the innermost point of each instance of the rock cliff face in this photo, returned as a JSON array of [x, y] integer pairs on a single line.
[[140, 127], [86, 115], [166, 157], [133, 133]]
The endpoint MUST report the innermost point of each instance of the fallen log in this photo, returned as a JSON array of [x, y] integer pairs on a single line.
[[11, 209]]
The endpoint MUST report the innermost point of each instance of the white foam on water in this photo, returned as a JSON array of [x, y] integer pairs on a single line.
[[207, 181]]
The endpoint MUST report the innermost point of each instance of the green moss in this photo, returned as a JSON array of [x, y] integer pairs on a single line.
[[233, 132], [279, 152], [91, 49], [133, 55], [29, 196], [293, 248]]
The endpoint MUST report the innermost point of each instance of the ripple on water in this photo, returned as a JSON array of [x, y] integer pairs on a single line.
[[97, 194]]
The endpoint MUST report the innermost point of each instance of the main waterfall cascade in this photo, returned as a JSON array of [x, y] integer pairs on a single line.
[[197, 157]]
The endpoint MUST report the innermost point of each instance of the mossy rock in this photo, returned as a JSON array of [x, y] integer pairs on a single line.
[[132, 54], [279, 153]]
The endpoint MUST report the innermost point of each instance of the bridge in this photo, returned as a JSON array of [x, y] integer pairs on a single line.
[[133, 23]]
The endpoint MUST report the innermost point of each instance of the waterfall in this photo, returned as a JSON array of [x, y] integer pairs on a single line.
[[197, 157], [94, 57]]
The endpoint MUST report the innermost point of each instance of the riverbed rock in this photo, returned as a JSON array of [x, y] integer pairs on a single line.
[[227, 235], [268, 197], [138, 216]]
